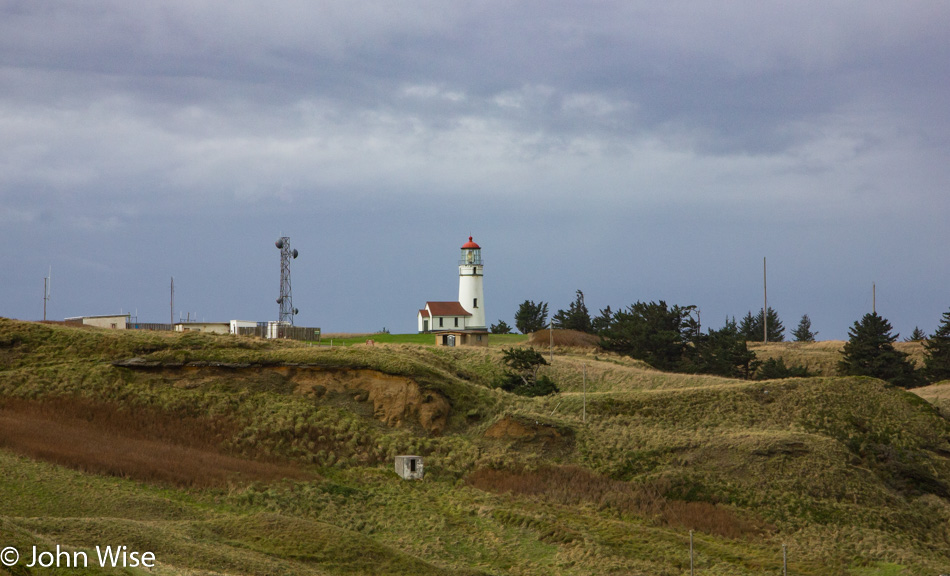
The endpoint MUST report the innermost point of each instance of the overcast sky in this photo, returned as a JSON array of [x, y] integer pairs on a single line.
[[633, 150]]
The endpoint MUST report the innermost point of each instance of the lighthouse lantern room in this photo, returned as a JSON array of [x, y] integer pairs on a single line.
[[471, 289]]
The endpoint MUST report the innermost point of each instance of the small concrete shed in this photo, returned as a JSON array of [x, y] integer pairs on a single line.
[[409, 467]]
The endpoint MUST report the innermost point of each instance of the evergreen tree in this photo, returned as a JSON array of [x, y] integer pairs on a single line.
[[917, 335], [654, 333], [531, 317], [501, 328], [722, 352], [937, 352], [601, 323], [870, 352], [576, 317], [523, 378], [803, 332], [751, 327], [775, 368]]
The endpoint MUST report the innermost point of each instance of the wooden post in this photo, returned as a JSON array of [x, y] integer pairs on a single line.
[[585, 393], [690, 553]]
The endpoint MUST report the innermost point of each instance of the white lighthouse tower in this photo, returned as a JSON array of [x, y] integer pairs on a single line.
[[471, 289]]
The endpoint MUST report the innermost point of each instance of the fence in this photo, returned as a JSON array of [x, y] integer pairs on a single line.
[[150, 326], [288, 332]]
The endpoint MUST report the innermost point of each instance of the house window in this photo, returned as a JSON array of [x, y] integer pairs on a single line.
[[440, 322], [475, 305], [456, 322]]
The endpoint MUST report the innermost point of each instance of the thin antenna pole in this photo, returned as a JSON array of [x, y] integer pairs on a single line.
[[551, 333], [765, 307], [172, 314], [873, 297]]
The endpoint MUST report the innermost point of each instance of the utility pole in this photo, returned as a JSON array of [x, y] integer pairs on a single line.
[[784, 561], [46, 287], [551, 332], [171, 318], [873, 297], [765, 307]]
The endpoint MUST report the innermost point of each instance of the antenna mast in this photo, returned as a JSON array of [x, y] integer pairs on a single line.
[[171, 317], [286, 302]]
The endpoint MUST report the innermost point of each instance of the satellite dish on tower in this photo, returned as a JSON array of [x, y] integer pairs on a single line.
[[287, 310]]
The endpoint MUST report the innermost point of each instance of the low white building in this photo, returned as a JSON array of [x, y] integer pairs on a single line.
[[112, 321], [206, 327], [236, 325]]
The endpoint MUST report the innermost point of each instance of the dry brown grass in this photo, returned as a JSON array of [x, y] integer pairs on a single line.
[[564, 338], [939, 391], [821, 358], [573, 485], [143, 444]]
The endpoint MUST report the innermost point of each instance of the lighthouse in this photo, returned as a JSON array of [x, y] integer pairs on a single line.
[[471, 288], [460, 323]]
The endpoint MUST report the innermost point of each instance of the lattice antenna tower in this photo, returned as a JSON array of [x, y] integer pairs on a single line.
[[286, 300]]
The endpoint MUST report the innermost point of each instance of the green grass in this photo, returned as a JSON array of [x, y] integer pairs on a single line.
[[424, 339], [850, 473]]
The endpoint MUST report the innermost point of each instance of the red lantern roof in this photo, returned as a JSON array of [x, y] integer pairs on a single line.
[[470, 244]]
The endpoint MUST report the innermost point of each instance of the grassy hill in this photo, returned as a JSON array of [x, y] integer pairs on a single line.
[[227, 455]]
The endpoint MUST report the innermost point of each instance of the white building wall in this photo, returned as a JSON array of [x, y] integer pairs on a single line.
[[235, 324], [114, 322], [472, 295], [448, 323]]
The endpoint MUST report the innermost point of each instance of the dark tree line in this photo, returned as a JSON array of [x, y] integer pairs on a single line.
[[753, 330], [670, 338]]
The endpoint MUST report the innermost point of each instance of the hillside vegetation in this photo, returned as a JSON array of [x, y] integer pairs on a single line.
[[233, 455]]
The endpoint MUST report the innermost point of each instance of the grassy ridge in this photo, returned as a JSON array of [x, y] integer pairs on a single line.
[[849, 472]]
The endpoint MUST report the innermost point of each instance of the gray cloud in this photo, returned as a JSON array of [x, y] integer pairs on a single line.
[[728, 130]]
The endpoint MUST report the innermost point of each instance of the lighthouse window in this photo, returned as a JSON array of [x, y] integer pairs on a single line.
[[456, 322], [475, 305]]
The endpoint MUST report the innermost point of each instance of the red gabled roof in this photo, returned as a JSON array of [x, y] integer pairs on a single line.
[[447, 309], [425, 313], [470, 244]]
